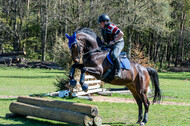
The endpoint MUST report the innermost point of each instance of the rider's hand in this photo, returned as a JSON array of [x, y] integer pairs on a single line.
[[111, 42]]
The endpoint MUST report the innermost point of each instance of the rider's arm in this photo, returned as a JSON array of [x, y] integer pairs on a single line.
[[115, 30], [119, 36]]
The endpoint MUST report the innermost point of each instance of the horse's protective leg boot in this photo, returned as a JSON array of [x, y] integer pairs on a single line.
[[73, 82], [82, 79], [72, 72], [118, 68]]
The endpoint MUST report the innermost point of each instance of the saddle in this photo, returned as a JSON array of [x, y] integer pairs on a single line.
[[124, 62]]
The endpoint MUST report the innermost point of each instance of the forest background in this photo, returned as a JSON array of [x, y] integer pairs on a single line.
[[156, 31]]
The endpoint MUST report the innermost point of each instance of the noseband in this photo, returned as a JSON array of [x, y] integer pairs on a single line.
[[84, 54], [78, 51]]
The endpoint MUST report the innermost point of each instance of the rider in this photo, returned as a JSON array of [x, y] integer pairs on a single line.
[[113, 36]]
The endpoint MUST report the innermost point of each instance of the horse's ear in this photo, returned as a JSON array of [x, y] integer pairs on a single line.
[[74, 34], [67, 35]]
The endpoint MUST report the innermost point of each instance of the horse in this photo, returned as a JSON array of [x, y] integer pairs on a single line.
[[85, 44]]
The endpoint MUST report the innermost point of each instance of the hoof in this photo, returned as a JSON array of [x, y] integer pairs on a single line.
[[73, 83], [85, 87], [142, 124], [138, 122]]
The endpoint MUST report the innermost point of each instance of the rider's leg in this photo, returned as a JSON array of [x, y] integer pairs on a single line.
[[118, 68], [116, 51]]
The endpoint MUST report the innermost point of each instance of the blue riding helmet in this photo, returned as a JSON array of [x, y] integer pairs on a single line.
[[103, 18]]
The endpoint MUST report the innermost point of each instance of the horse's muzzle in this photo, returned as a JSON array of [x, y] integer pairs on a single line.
[[77, 61]]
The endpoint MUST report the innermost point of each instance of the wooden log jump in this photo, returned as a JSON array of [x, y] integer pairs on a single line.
[[74, 113], [70, 106], [94, 86]]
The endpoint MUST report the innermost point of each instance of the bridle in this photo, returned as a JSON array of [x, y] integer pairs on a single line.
[[78, 51], [84, 54]]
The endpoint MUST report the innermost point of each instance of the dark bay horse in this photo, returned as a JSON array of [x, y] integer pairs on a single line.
[[84, 43]]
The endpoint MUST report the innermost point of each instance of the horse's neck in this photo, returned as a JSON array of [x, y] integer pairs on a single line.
[[90, 46]]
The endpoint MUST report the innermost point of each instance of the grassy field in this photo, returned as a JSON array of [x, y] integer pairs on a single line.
[[18, 82]]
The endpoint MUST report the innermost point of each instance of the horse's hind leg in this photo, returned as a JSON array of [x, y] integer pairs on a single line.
[[146, 106], [139, 102], [144, 98]]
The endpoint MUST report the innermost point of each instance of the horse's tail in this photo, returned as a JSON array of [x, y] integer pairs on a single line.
[[155, 83]]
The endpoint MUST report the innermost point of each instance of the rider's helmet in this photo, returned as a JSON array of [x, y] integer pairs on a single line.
[[103, 18]]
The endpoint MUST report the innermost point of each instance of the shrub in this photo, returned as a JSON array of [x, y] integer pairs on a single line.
[[62, 53], [138, 56], [62, 83]]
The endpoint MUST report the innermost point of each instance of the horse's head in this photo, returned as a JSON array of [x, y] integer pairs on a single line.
[[81, 43], [74, 46]]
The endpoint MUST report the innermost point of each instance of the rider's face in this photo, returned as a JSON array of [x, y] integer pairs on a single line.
[[102, 24]]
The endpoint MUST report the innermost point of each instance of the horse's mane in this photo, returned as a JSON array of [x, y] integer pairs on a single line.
[[91, 33]]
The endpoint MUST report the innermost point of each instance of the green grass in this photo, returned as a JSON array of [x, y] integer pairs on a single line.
[[27, 81], [175, 87]]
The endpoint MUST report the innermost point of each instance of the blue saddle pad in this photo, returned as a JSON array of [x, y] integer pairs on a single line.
[[124, 62]]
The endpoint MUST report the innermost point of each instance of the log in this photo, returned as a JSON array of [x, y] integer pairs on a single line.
[[50, 113], [13, 53], [98, 120], [8, 59], [77, 107]]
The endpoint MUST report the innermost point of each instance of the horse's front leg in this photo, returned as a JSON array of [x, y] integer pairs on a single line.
[[73, 82], [91, 70]]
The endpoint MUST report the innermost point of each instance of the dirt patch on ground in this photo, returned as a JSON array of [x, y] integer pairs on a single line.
[[116, 100], [130, 100]]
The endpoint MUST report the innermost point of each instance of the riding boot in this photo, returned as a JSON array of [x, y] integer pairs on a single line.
[[118, 68]]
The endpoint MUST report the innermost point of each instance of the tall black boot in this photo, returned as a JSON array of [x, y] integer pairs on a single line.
[[118, 68]]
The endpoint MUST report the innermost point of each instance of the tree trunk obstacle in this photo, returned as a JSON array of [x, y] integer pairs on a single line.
[[69, 112], [12, 57], [13, 53]]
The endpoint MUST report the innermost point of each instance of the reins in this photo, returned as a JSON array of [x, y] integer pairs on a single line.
[[90, 52]]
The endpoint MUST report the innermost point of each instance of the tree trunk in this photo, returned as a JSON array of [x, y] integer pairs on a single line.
[[91, 13], [168, 52], [44, 25], [156, 57], [42, 29], [180, 41], [162, 57], [13, 53], [15, 38], [129, 44]]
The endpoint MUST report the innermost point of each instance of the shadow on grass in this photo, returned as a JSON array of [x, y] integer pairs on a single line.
[[53, 72], [7, 99], [120, 124], [179, 77], [31, 121], [27, 77]]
